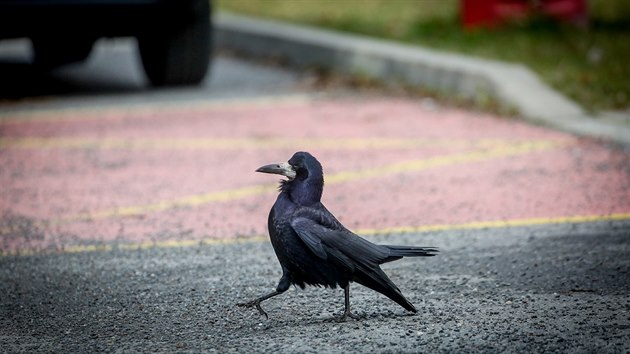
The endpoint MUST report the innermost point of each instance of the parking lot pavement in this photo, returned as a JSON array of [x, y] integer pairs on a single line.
[[135, 223], [535, 289], [151, 174]]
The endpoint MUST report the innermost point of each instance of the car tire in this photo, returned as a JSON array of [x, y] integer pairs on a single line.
[[180, 55]]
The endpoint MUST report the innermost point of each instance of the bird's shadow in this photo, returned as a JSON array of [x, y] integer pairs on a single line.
[[280, 320]]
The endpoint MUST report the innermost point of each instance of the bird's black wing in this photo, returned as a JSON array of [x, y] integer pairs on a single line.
[[331, 241], [321, 231], [360, 259]]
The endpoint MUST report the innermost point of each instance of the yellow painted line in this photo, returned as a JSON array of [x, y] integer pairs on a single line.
[[478, 155], [137, 246], [340, 177], [83, 249], [476, 225], [226, 144], [191, 243], [138, 210], [78, 114], [496, 224], [190, 201]]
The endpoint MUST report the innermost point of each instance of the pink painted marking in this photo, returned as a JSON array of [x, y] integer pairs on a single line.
[[585, 178]]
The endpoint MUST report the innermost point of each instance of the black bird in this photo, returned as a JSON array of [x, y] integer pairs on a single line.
[[314, 248]]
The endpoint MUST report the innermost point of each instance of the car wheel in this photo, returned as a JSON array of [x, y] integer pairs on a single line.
[[179, 55]]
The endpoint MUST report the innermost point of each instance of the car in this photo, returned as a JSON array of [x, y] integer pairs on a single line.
[[174, 36]]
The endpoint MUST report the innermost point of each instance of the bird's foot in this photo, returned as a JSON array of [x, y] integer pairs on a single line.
[[254, 303], [345, 316]]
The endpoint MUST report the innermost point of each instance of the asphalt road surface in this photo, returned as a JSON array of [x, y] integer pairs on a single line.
[[131, 219]]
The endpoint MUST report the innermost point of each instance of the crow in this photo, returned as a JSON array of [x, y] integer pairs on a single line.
[[314, 248]]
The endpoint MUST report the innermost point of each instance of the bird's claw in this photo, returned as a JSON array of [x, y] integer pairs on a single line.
[[345, 316], [254, 303]]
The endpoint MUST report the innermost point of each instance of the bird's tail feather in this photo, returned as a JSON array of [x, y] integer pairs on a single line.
[[412, 251], [377, 280]]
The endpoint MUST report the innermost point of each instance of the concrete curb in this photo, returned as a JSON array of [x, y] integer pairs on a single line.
[[513, 85]]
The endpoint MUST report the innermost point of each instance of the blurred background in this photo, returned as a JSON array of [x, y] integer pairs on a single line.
[[580, 47], [577, 46]]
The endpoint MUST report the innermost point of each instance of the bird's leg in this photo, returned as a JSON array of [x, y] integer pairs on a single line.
[[256, 302], [346, 312], [283, 286]]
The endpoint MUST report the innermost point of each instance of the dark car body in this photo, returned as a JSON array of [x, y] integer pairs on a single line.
[[174, 36]]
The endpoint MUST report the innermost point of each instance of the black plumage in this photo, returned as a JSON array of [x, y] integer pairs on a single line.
[[314, 248]]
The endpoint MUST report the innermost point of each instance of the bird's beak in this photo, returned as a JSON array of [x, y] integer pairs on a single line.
[[279, 169]]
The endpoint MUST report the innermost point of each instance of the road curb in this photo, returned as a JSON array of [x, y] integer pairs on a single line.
[[513, 85]]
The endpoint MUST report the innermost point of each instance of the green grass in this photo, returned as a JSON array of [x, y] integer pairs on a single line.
[[590, 65]]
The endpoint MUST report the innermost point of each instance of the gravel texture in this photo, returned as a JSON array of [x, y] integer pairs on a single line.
[[543, 289]]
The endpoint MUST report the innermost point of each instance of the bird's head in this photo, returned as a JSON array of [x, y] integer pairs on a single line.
[[305, 177]]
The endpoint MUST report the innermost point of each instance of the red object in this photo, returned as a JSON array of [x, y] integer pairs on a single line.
[[493, 13]]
